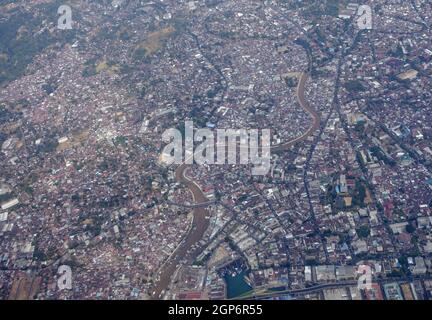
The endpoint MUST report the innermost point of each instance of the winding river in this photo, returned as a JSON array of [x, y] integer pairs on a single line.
[[201, 215]]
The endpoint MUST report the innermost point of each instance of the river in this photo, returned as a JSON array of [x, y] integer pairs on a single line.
[[201, 215]]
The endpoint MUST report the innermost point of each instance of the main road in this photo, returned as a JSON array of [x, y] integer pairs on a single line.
[[200, 221]]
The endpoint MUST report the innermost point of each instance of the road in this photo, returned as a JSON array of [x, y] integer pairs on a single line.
[[200, 214], [334, 285]]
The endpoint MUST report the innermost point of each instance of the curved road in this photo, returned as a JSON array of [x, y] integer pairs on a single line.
[[200, 214]]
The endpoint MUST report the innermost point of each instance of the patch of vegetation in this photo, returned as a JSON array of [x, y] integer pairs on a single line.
[[153, 43], [120, 141], [363, 232], [49, 88], [47, 146], [332, 8], [354, 86], [21, 38], [360, 194], [6, 197]]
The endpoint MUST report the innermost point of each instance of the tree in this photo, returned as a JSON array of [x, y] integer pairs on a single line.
[[363, 232], [410, 228]]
